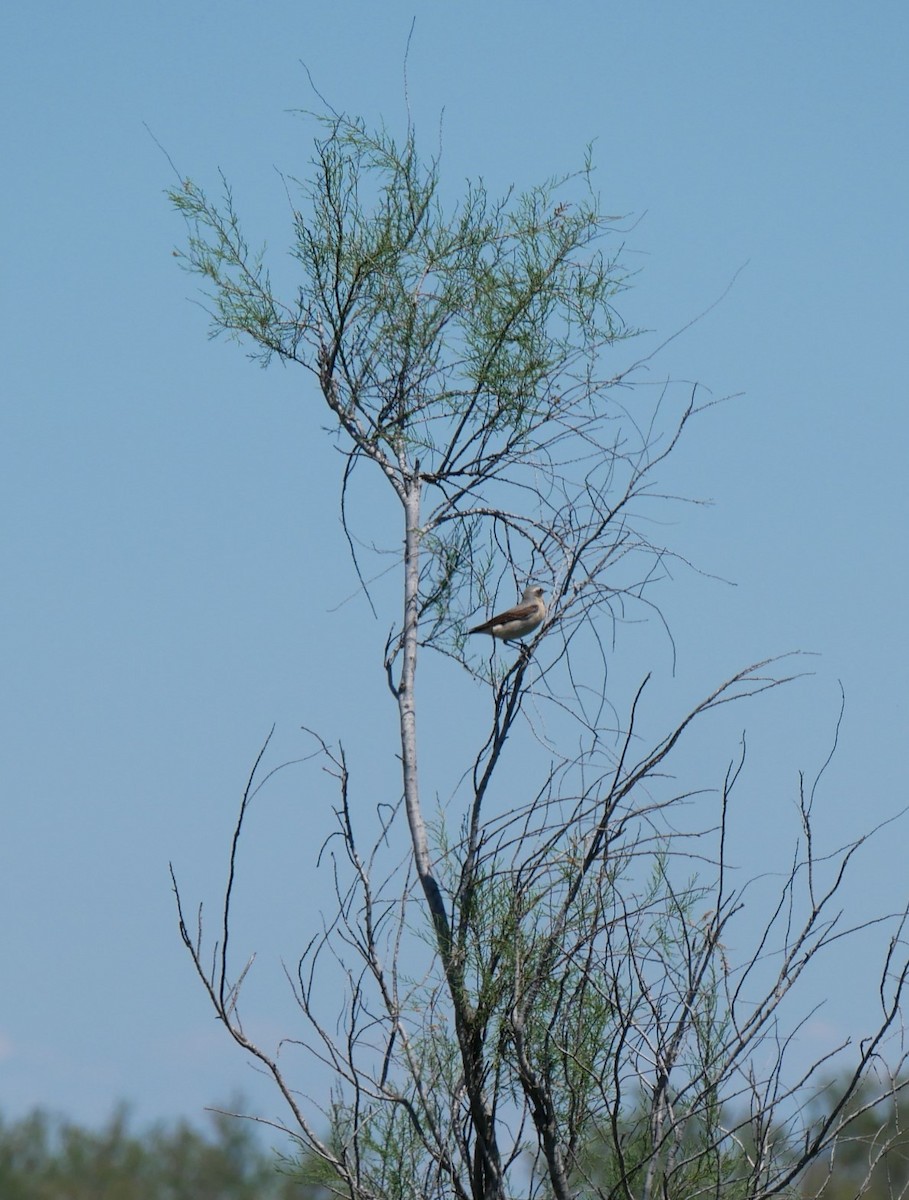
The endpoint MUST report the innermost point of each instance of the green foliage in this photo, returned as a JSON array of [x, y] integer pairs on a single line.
[[445, 338], [871, 1158], [473, 314], [48, 1158], [542, 1006]]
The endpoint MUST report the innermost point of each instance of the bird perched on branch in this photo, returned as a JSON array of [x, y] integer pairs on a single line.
[[518, 621]]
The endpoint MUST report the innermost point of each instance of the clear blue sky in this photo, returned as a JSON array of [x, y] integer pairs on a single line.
[[171, 553]]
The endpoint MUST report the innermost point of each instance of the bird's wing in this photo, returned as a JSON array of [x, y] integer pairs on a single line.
[[521, 612]]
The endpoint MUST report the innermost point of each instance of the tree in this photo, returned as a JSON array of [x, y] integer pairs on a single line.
[[549, 971], [873, 1158], [45, 1158]]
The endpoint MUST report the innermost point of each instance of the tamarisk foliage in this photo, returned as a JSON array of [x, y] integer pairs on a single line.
[[540, 997]]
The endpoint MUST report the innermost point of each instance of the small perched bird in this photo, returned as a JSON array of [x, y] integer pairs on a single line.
[[518, 621]]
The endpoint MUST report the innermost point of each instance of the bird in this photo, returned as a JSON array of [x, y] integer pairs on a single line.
[[518, 621]]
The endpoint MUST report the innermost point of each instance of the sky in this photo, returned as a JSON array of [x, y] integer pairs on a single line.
[[175, 579]]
